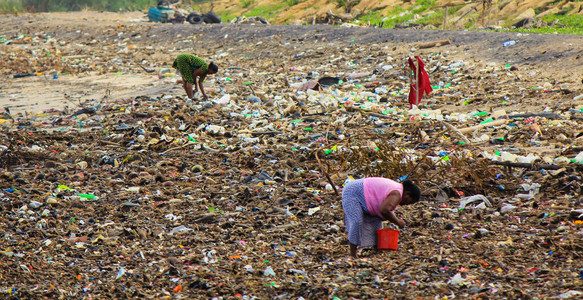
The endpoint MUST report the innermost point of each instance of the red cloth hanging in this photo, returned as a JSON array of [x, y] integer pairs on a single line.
[[421, 80]]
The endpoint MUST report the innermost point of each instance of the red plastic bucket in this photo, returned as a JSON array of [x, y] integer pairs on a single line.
[[387, 239]]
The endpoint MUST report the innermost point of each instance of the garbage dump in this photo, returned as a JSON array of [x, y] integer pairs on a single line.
[[113, 184]]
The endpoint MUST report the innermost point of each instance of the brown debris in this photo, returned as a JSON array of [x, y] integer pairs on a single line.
[[142, 193]]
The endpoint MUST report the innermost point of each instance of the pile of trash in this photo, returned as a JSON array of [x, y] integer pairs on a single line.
[[158, 195], [249, 20]]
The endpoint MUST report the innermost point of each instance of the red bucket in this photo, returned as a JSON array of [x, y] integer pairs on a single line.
[[387, 239]]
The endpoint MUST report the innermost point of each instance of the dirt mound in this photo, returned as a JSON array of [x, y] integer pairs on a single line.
[[476, 13]]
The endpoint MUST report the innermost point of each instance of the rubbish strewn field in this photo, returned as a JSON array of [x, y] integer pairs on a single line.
[[114, 185]]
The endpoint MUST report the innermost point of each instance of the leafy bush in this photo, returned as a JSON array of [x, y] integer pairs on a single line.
[[373, 18], [9, 7], [76, 5], [423, 6], [347, 4], [292, 2], [266, 10], [246, 3], [571, 21]]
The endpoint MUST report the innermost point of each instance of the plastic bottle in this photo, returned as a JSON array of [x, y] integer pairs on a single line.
[[268, 272], [505, 156], [134, 189], [357, 75], [215, 129], [20, 75], [508, 43], [225, 99]]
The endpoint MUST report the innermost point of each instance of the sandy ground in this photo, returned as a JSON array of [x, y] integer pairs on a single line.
[[40, 93], [551, 58]]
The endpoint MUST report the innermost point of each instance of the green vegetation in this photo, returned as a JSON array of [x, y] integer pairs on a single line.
[[373, 18], [347, 4], [246, 3], [9, 7], [551, 30], [423, 5], [226, 15], [395, 16], [537, 10], [398, 15], [571, 21], [470, 24], [435, 18], [292, 2], [560, 24], [266, 11]]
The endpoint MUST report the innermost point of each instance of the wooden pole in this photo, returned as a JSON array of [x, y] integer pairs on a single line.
[[326, 173], [489, 11], [480, 126], [445, 20]]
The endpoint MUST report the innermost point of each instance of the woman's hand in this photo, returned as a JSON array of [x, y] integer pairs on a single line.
[[401, 223]]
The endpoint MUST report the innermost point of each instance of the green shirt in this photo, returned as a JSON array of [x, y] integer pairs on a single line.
[[187, 64]]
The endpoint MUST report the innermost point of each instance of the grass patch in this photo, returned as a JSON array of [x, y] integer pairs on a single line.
[[373, 18], [469, 24], [436, 18], [347, 4], [197, 8], [291, 3], [572, 21], [423, 5], [397, 16], [565, 24], [267, 10], [226, 15], [246, 3], [10, 7], [572, 24], [453, 9], [550, 30]]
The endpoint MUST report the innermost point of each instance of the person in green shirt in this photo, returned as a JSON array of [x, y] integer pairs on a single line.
[[191, 67]]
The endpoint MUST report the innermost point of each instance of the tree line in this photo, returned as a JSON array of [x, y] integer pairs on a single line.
[[77, 5]]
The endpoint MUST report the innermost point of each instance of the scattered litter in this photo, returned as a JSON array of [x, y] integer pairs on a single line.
[[144, 193], [484, 202]]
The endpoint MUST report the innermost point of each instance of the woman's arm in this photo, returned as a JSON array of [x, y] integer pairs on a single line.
[[200, 81], [391, 217], [198, 72], [388, 206]]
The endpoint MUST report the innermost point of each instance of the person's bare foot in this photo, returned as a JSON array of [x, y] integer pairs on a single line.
[[368, 252]]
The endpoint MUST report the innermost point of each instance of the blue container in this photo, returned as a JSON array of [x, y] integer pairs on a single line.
[[160, 14]]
